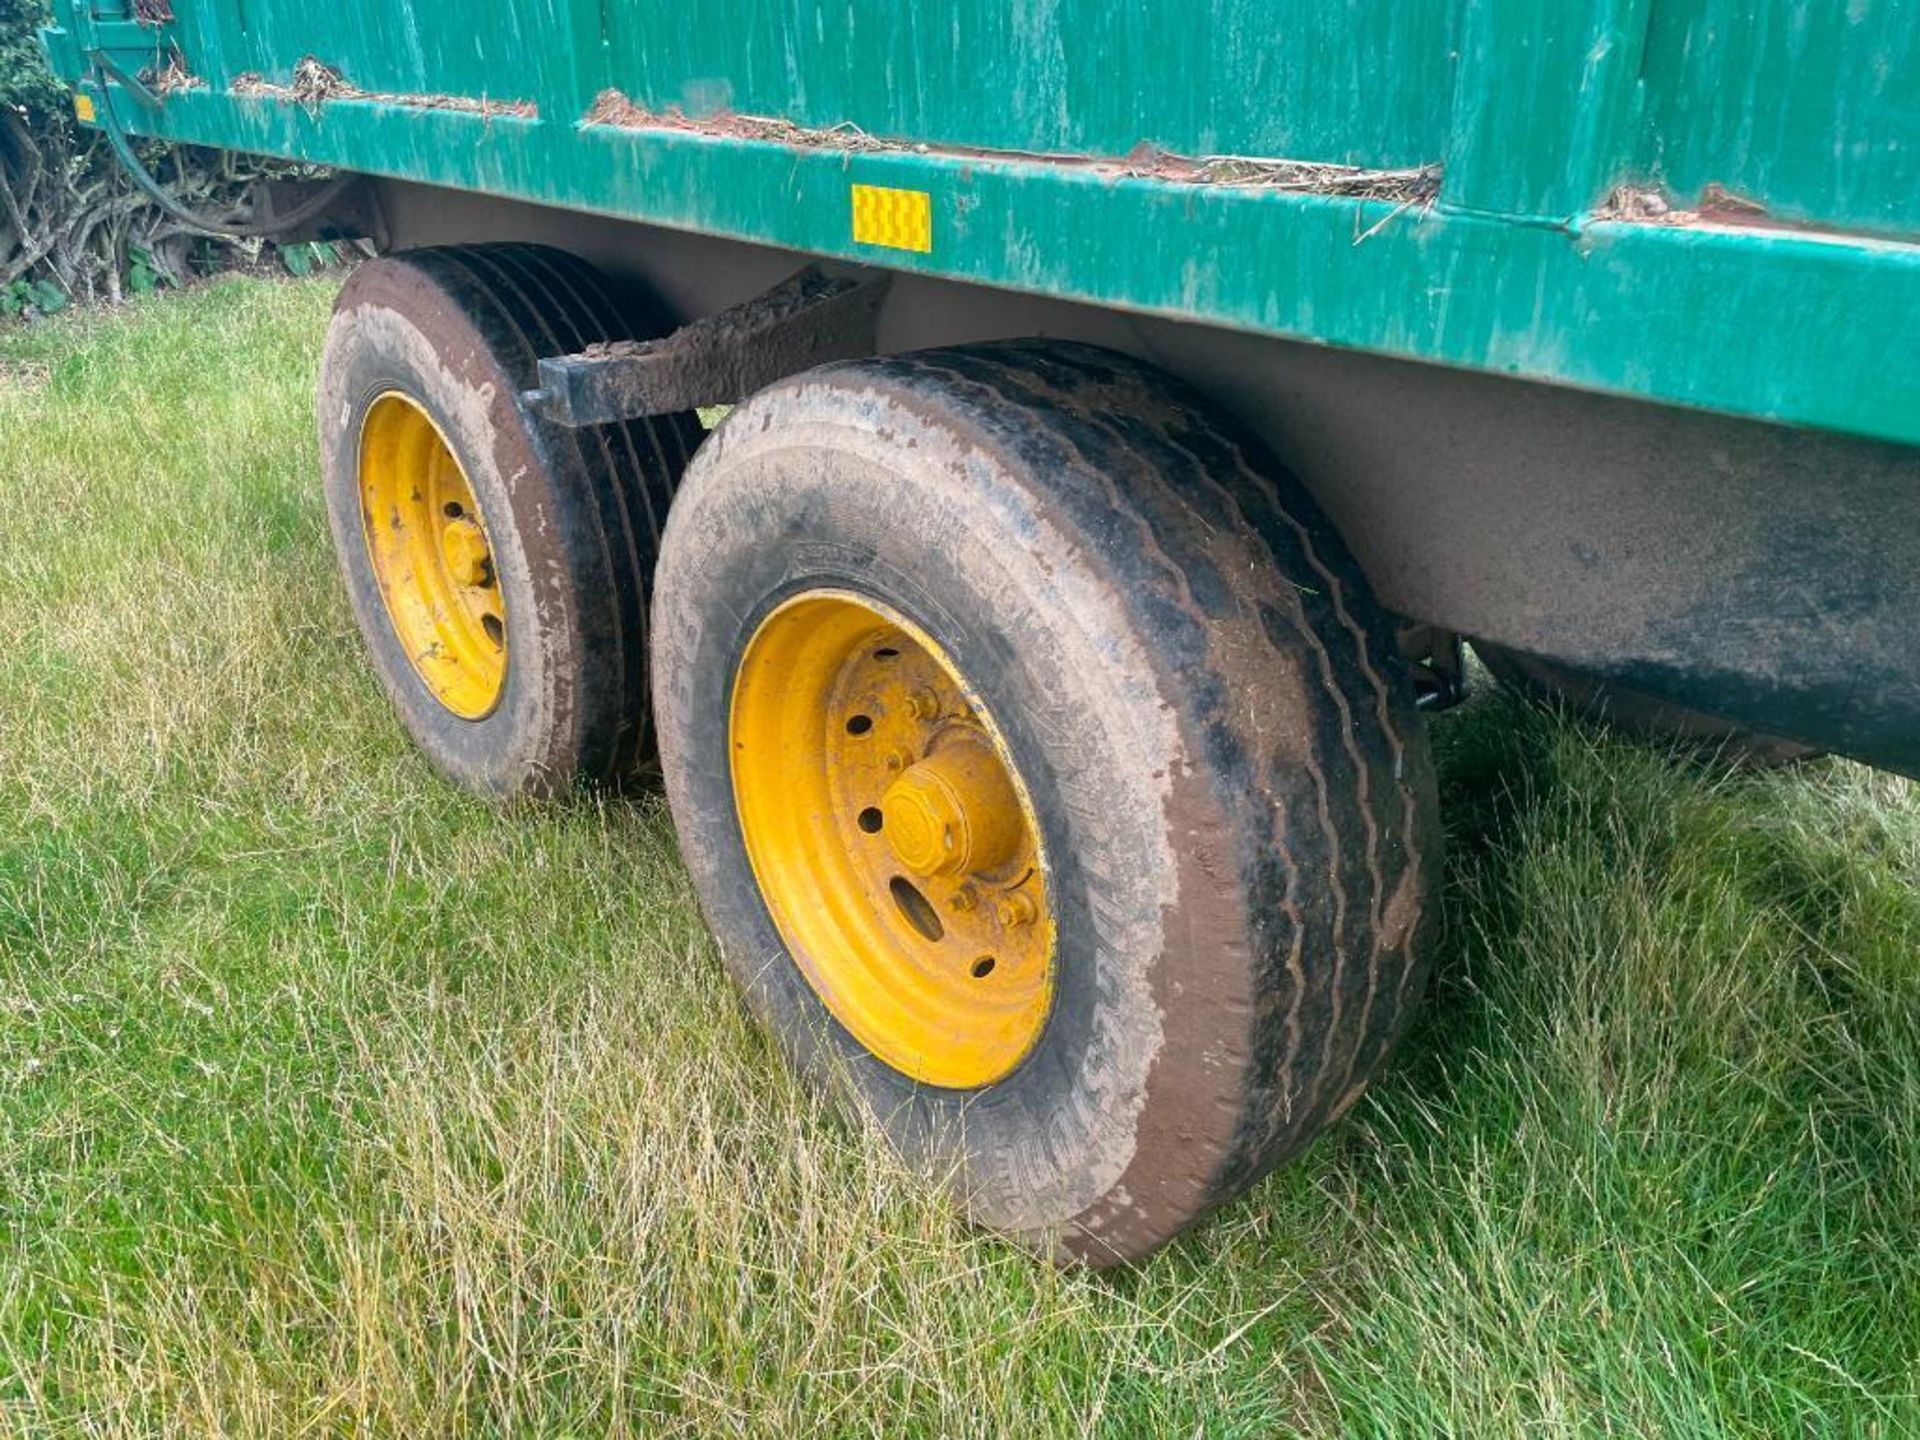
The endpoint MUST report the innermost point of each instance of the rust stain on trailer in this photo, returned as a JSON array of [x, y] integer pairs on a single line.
[[1646, 206], [1719, 208]]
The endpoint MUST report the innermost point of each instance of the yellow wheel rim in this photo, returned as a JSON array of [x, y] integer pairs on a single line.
[[431, 557], [892, 839]]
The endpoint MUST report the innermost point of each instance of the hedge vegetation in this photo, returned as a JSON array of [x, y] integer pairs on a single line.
[[73, 227]]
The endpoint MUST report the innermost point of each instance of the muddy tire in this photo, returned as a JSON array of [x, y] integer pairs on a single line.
[[1200, 701], [1632, 712], [500, 567]]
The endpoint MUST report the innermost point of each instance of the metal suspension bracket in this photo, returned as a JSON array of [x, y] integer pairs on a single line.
[[806, 320]]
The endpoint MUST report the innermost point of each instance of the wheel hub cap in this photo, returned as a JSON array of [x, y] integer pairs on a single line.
[[892, 839], [955, 812], [464, 545], [432, 560]]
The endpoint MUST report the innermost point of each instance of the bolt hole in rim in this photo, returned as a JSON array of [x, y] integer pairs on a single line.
[[432, 558], [901, 860], [917, 909]]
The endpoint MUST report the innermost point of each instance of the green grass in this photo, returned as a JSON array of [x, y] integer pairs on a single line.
[[333, 1101]]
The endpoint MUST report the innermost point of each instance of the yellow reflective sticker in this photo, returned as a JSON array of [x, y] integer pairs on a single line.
[[897, 219], [83, 108]]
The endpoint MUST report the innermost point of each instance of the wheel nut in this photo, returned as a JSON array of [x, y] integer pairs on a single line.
[[924, 704], [898, 760], [1016, 910], [964, 899]]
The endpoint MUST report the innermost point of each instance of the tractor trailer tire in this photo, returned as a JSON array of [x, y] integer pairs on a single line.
[[1048, 776], [500, 566]]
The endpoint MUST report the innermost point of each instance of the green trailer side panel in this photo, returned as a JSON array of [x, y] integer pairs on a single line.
[[1300, 78], [1810, 106], [1537, 109], [1546, 103], [1778, 326], [1051, 75], [520, 52]]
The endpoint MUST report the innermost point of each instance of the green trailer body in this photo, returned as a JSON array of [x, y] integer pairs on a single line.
[[1781, 139], [1705, 207]]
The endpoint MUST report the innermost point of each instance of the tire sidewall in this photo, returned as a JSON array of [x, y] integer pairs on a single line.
[[418, 343], [1052, 1138]]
